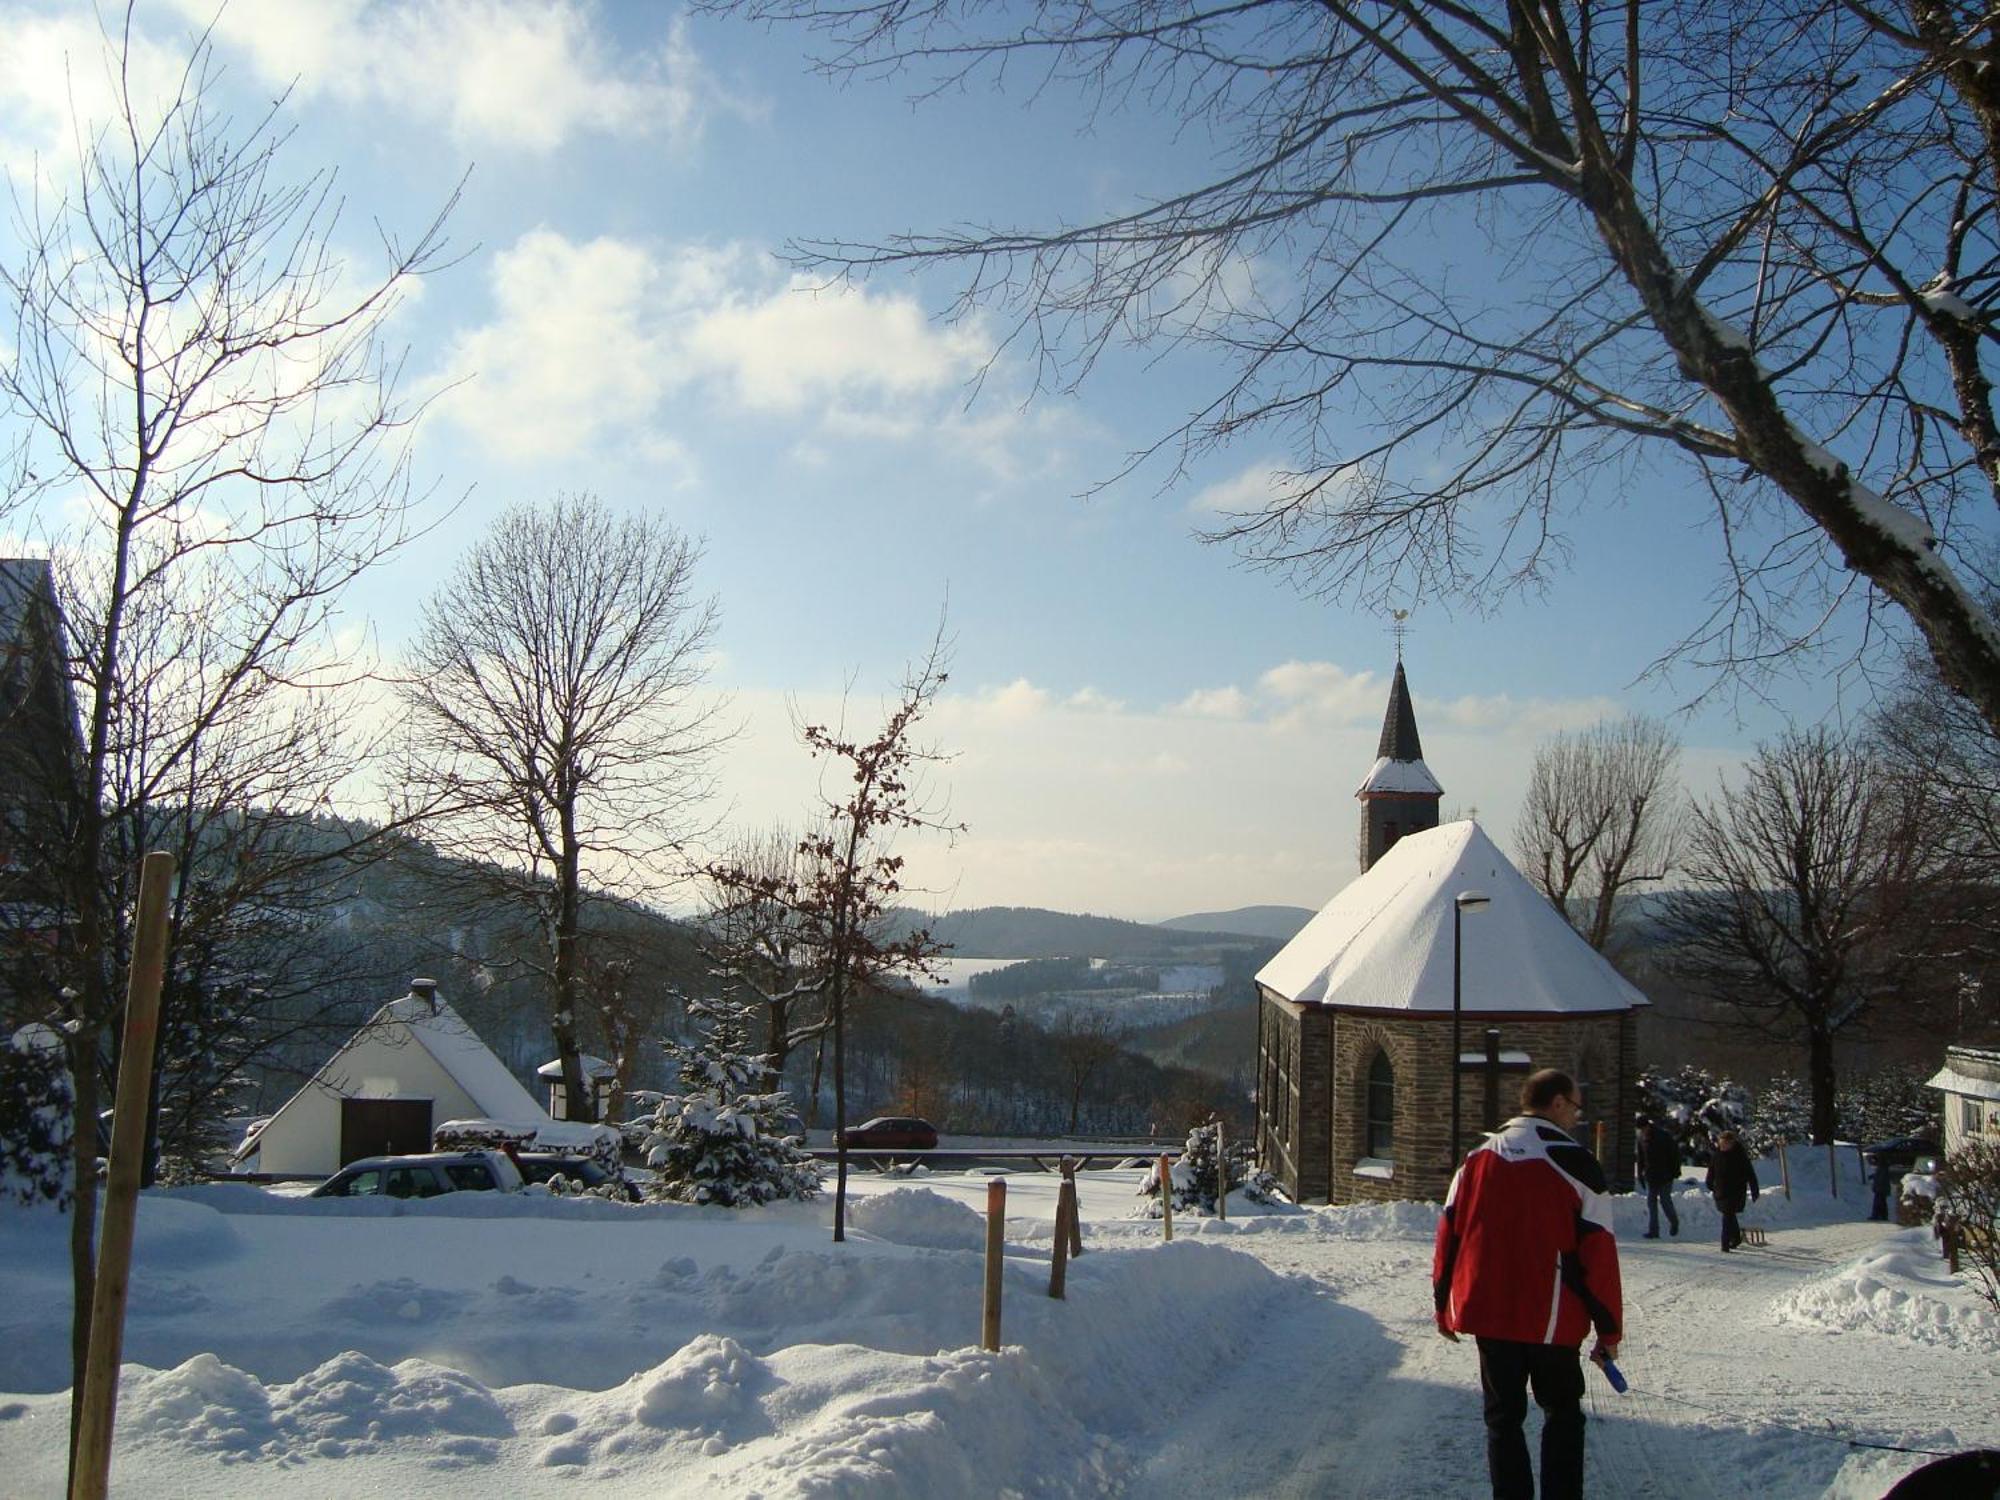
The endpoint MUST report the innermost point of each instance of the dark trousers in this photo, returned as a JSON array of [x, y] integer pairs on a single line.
[[1555, 1371], [1658, 1197], [1732, 1232]]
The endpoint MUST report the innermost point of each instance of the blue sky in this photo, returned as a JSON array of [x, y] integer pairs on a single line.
[[1141, 727]]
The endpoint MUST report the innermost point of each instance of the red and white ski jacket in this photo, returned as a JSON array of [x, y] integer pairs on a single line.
[[1524, 1248]]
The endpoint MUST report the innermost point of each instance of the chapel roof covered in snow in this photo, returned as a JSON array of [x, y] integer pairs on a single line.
[[1385, 941]]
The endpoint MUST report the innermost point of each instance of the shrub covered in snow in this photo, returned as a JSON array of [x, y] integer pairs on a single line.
[[1783, 1112], [716, 1139], [37, 1109], [1197, 1178], [1969, 1201], [1697, 1104]]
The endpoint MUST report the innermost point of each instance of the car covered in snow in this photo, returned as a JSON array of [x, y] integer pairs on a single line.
[[891, 1132], [426, 1176]]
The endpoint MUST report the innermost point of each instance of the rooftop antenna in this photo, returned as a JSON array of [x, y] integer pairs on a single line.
[[1399, 630]]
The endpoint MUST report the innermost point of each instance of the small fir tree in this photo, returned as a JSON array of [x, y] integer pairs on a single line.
[[1783, 1112], [1196, 1177], [718, 1140], [1882, 1105]]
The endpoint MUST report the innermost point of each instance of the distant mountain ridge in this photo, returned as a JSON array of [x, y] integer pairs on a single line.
[[1034, 932], [1279, 922]]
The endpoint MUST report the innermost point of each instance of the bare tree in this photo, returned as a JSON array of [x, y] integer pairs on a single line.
[[1812, 899], [1601, 815], [847, 880], [556, 717], [1756, 241], [1084, 1041], [204, 421], [760, 946]]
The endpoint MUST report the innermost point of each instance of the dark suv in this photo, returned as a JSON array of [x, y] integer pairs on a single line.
[[894, 1132], [425, 1176]]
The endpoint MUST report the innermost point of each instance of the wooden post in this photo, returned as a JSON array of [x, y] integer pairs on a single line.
[[1785, 1168], [1059, 1261], [1597, 1138], [1832, 1169], [1075, 1213], [1221, 1175], [91, 1477], [996, 1249], [1166, 1195]]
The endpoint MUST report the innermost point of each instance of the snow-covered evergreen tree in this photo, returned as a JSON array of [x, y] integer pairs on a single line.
[[37, 1111], [1783, 1112], [1696, 1104], [1196, 1179], [1882, 1105], [716, 1139]]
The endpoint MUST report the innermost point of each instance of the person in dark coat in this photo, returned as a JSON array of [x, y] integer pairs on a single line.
[[1659, 1169], [1880, 1180], [1730, 1177]]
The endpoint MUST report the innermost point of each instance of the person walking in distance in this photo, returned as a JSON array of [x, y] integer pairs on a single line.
[[1730, 1176], [1659, 1169], [1527, 1264]]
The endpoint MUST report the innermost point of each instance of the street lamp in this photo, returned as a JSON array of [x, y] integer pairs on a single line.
[[1462, 903]]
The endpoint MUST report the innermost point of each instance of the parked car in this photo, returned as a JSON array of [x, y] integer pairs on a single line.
[[541, 1166], [425, 1176], [895, 1132], [1901, 1153]]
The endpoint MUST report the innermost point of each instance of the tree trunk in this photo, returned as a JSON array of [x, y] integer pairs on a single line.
[[578, 1091], [837, 997], [1819, 1077]]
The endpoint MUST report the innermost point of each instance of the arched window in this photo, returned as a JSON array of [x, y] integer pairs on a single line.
[[1381, 1108]]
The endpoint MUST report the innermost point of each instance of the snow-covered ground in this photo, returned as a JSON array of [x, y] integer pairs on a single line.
[[479, 1345]]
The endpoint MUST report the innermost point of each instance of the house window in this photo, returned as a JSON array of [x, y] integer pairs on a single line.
[[1968, 1115], [1381, 1109]]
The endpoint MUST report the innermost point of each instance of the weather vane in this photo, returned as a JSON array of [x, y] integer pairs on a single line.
[[1399, 629]]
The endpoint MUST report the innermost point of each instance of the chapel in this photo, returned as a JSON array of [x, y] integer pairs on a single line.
[[1440, 932]]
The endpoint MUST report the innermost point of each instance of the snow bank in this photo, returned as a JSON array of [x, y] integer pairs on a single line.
[[1901, 1289], [914, 1216]]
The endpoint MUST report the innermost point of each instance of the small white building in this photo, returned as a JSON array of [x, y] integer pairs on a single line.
[[597, 1073], [1970, 1083], [414, 1065]]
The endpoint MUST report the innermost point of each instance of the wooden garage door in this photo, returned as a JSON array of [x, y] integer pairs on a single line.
[[383, 1127]]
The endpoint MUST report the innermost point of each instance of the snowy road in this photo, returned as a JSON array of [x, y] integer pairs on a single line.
[[1727, 1398]]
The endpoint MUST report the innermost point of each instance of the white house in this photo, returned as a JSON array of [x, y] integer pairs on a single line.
[[1970, 1083], [414, 1065]]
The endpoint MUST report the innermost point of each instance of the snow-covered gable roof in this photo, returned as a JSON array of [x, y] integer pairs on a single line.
[[434, 1026], [593, 1067], [1384, 942]]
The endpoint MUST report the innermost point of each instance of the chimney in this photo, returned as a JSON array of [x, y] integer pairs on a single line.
[[426, 990]]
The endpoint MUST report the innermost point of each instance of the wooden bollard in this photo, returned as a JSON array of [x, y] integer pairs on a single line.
[[1065, 1215], [1221, 1174], [1166, 1195], [90, 1475], [996, 1250], [1832, 1169], [1785, 1168], [1075, 1217], [1597, 1141]]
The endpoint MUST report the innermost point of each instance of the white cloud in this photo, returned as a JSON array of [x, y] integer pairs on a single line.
[[523, 77], [577, 348], [1252, 490], [55, 70], [589, 338], [1018, 700], [1215, 703], [805, 344], [1090, 701], [1323, 691]]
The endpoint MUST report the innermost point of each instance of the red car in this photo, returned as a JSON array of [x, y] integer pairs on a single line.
[[894, 1132]]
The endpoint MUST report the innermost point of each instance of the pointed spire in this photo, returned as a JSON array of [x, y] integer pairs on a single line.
[[1399, 724]]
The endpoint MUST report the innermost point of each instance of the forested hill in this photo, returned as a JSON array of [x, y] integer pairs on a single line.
[[1032, 932], [1280, 922]]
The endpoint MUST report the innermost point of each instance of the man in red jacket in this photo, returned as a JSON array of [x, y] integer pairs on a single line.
[[1526, 1264]]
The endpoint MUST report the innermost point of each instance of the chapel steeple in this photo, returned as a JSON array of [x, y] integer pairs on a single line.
[[1399, 795]]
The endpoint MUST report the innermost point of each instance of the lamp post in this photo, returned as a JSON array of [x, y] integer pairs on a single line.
[[1462, 903]]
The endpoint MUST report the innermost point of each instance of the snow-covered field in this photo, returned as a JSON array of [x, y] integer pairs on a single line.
[[476, 1345]]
